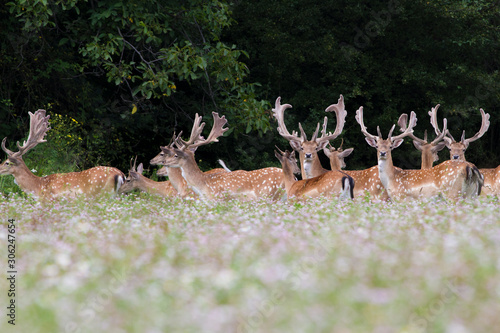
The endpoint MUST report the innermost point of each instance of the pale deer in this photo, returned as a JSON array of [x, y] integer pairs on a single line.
[[266, 182], [451, 179], [431, 149], [457, 152], [175, 174], [92, 181], [310, 163], [136, 181], [367, 180], [331, 183], [457, 149]]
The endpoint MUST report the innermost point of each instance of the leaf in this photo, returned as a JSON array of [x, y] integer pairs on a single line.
[[134, 109]]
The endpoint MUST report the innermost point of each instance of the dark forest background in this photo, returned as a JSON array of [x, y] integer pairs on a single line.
[[119, 77]]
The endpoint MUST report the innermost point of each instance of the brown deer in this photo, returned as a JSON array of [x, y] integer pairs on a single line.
[[457, 149], [92, 181], [136, 181], [255, 184], [452, 179], [367, 180], [457, 152], [431, 149], [330, 183], [308, 149]]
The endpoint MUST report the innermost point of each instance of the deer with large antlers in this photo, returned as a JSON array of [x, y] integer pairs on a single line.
[[457, 152], [255, 184], [136, 181], [330, 183], [451, 179], [175, 174], [308, 149], [93, 181], [457, 149], [431, 149]]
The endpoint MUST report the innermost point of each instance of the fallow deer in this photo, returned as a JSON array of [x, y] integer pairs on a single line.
[[92, 181], [310, 163], [452, 179], [431, 149], [136, 181], [457, 152], [457, 149], [332, 183], [255, 184], [367, 180]]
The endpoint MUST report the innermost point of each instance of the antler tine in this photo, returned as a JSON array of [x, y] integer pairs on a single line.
[[195, 133], [279, 114], [485, 124], [442, 135], [359, 119], [8, 151], [341, 114], [132, 166], [39, 125], [303, 136], [341, 144], [433, 114], [280, 151], [216, 131], [408, 131], [315, 134], [402, 123]]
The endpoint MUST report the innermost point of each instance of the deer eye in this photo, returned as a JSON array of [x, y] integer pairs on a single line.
[[162, 154]]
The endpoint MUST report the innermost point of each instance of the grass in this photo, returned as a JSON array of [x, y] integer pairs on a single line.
[[141, 263]]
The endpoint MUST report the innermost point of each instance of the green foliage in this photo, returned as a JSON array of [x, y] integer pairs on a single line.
[[133, 72]]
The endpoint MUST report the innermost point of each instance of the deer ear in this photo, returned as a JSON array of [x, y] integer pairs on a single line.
[[396, 143], [346, 153], [321, 145], [295, 145], [417, 145], [438, 146], [140, 168], [372, 142]]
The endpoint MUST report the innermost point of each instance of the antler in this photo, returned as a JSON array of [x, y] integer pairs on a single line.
[[359, 119], [485, 124], [132, 166], [402, 123], [39, 125], [195, 134], [341, 114], [408, 131], [279, 114], [197, 140]]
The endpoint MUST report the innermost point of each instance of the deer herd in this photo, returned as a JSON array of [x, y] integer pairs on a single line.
[[454, 179]]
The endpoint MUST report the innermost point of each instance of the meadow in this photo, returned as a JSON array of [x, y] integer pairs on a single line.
[[141, 263]]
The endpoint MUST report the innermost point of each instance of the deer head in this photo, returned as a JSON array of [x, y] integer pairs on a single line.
[[385, 146], [431, 149], [39, 125], [457, 149], [308, 149]]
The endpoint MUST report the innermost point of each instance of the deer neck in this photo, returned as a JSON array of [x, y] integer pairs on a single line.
[[310, 168], [289, 177], [194, 177], [335, 164], [386, 172], [177, 181], [27, 181], [427, 159], [150, 186]]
